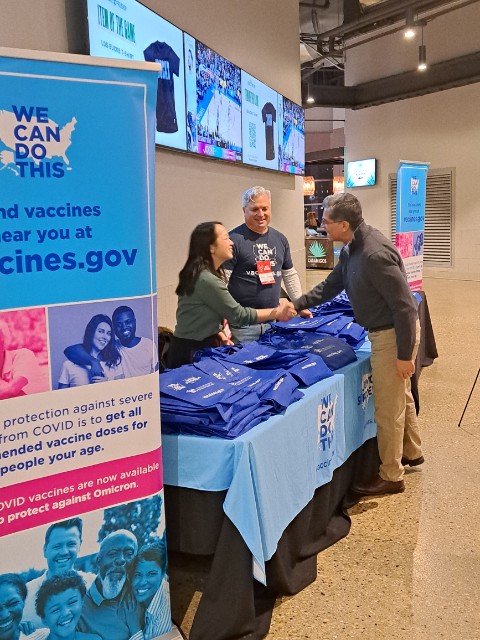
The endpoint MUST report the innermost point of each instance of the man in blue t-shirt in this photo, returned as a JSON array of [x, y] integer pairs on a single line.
[[261, 259]]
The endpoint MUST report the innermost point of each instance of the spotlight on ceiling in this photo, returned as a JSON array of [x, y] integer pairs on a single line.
[[422, 56], [410, 25]]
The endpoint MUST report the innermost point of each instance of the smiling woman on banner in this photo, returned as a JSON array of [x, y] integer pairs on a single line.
[[204, 301], [98, 342], [150, 589], [12, 601]]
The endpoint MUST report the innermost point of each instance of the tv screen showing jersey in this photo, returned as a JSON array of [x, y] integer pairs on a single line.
[[259, 123], [214, 103], [292, 138], [361, 173], [129, 31]]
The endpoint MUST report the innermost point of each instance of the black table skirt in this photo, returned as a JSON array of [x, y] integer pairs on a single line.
[[234, 605]]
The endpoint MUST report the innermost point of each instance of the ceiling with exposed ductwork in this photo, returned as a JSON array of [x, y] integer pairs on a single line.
[[329, 28]]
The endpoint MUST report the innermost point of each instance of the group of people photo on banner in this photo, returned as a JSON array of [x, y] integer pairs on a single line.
[[88, 343], [120, 592]]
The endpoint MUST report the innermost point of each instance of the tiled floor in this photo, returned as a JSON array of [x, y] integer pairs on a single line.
[[410, 567]]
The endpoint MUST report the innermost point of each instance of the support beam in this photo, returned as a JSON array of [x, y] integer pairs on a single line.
[[448, 74]]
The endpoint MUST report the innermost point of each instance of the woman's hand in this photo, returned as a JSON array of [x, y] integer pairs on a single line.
[[223, 339]]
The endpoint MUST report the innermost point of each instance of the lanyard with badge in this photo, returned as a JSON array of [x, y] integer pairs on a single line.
[[264, 271]]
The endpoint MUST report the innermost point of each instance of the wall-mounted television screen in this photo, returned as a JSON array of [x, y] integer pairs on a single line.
[[129, 31], [361, 173], [260, 123], [214, 103], [292, 137]]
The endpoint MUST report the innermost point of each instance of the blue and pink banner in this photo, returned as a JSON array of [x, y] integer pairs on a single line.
[[410, 218], [80, 448]]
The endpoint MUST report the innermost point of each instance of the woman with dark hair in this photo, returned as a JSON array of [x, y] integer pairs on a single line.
[[59, 604], [150, 589], [12, 600], [204, 301], [98, 342]]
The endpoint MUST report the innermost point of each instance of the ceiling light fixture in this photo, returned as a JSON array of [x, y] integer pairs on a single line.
[[410, 24], [422, 56]]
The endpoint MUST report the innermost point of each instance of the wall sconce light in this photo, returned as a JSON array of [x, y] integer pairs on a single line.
[[422, 56], [410, 25], [310, 98], [308, 186]]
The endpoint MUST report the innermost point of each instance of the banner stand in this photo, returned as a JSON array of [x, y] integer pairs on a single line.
[[81, 481]]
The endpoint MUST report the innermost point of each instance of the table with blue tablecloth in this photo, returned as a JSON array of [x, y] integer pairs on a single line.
[[263, 505]]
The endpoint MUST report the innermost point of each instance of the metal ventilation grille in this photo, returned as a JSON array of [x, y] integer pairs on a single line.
[[437, 249]]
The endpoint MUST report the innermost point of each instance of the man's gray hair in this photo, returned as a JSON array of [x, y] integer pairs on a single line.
[[344, 206], [254, 192]]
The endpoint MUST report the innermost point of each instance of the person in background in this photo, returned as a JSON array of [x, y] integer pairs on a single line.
[[150, 589], [311, 222], [20, 372], [261, 260], [204, 301], [59, 605], [99, 344], [372, 273], [61, 548]]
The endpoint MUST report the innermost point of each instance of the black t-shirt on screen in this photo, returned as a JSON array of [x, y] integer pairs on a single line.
[[162, 53], [269, 116]]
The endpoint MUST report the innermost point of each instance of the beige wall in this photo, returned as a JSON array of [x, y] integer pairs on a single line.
[[262, 38], [441, 128]]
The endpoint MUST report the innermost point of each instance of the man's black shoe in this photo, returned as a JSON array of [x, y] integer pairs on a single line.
[[413, 463], [378, 487]]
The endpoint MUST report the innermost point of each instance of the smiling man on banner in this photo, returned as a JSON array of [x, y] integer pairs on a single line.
[[106, 611]]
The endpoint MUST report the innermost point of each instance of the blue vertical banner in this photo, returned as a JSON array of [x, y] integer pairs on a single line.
[[81, 481], [410, 218]]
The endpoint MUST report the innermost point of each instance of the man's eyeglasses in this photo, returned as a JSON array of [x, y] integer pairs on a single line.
[[325, 222]]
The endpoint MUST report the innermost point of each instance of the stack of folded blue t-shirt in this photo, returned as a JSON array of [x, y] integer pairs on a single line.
[[334, 351], [229, 390], [220, 400], [305, 367], [333, 318], [335, 325], [340, 303]]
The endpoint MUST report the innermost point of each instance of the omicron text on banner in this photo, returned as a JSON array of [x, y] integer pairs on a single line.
[[410, 218]]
